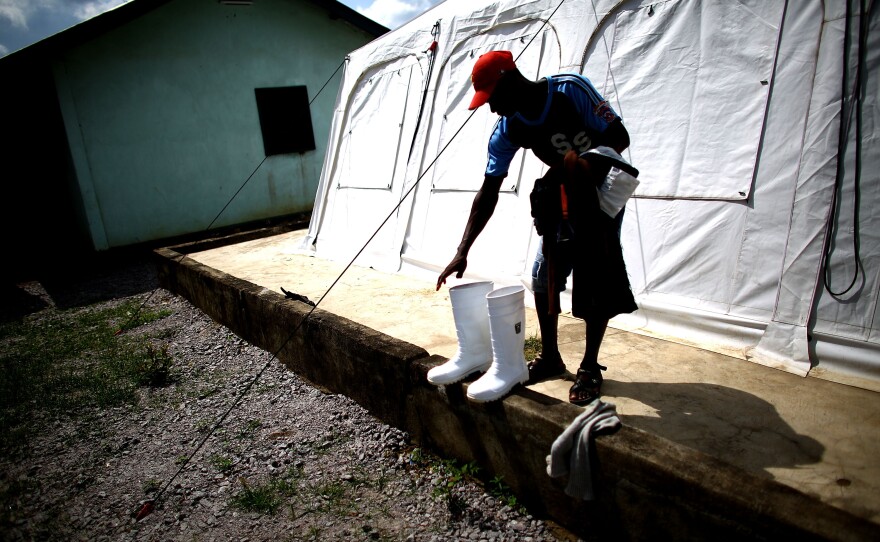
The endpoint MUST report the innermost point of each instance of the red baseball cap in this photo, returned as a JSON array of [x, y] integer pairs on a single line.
[[487, 71]]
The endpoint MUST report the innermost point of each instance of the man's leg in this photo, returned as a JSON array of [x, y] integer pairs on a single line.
[[547, 323], [588, 382], [548, 363], [595, 333]]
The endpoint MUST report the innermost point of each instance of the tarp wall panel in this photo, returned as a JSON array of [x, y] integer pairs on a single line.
[[785, 343], [368, 167], [692, 78], [846, 329]]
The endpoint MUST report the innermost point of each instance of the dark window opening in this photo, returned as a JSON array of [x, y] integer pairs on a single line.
[[285, 120]]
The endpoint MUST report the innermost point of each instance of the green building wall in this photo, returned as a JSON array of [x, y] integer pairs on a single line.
[[162, 121]]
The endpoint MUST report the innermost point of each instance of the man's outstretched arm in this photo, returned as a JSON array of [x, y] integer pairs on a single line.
[[481, 211]]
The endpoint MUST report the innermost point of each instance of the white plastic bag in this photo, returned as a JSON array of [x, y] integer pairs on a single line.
[[618, 187]]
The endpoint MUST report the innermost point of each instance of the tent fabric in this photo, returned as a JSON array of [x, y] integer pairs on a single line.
[[686, 60], [744, 209]]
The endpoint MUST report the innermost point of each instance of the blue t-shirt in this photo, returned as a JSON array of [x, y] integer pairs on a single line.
[[575, 117]]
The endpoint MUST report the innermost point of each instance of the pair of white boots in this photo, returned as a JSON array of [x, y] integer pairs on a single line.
[[481, 312]]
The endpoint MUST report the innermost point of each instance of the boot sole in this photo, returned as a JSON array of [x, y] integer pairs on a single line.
[[503, 395], [459, 379]]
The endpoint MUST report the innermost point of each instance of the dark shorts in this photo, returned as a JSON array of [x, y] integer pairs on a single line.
[[595, 258]]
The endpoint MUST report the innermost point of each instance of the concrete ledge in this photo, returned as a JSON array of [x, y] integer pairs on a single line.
[[647, 488]]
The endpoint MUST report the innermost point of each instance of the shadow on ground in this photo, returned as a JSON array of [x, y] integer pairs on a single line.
[[720, 421], [19, 300], [79, 282]]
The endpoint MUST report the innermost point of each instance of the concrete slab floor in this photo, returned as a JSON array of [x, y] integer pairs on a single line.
[[816, 436]]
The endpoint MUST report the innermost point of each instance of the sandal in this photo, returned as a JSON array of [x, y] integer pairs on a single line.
[[543, 368], [587, 385]]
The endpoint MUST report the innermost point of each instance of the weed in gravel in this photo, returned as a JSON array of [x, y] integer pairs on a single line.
[[451, 475], [267, 497], [501, 491], [333, 439], [417, 457], [140, 316], [361, 477], [204, 425], [532, 347], [384, 510], [261, 498], [333, 492], [151, 486], [288, 484], [206, 392], [246, 432], [382, 480], [222, 463], [155, 369]]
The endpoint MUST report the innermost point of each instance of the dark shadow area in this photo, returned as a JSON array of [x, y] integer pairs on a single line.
[[723, 422], [101, 277], [74, 277], [19, 300], [80, 281]]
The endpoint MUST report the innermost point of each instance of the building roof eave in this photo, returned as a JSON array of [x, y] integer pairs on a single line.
[[129, 11]]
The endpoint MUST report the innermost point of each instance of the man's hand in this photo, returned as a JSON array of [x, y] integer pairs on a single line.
[[576, 167], [593, 167], [457, 266], [571, 162]]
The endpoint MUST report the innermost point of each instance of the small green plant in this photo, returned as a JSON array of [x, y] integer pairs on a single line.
[[155, 369], [381, 480], [501, 491], [451, 475], [333, 496], [332, 491], [532, 347], [203, 425], [266, 498], [288, 484], [416, 456], [248, 430], [151, 486], [209, 391], [222, 463], [262, 498]]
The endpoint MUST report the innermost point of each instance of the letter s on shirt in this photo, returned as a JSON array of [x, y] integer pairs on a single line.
[[581, 142]]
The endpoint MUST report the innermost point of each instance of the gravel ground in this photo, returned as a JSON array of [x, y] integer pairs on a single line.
[[326, 469]]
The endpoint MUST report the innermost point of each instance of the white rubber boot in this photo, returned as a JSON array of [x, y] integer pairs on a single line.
[[472, 328], [507, 318]]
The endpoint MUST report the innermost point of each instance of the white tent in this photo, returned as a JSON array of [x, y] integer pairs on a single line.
[[734, 110]]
